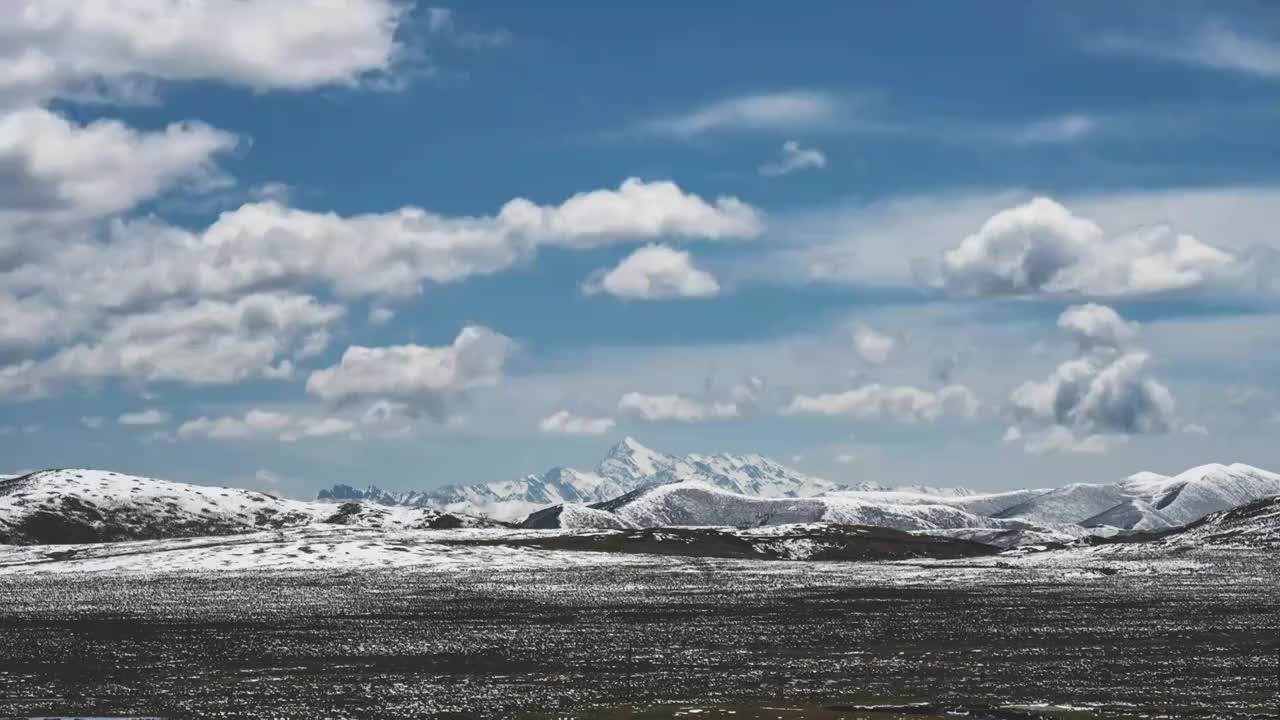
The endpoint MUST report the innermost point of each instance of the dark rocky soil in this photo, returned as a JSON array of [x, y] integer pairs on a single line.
[[639, 641], [827, 542]]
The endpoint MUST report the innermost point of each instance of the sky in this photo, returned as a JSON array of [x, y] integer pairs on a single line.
[[288, 243]]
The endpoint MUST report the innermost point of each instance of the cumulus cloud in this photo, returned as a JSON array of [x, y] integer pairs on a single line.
[[257, 423], [426, 378], [1093, 325], [794, 159], [50, 165], [786, 110], [78, 50], [1040, 247], [209, 342], [92, 289], [872, 345], [636, 210], [1103, 395], [149, 416], [388, 254], [1110, 395], [654, 272], [564, 422], [658, 408], [901, 403]]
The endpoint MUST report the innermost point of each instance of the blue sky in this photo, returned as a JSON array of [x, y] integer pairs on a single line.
[[1000, 245]]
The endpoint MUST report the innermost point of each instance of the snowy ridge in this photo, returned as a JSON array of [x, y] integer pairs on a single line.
[[1254, 525], [70, 505], [1147, 501], [627, 467], [693, 503]]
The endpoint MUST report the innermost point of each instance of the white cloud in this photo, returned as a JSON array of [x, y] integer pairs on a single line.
[[1040, 247], [902, 403], [1060, 129], [1103, 394], [1213, 44], [149, 416], [380, 315], [209, 342], [901, 241], [93, 293], [427, 378], [49, 165], [1099, 394], [78, 50], [786, 110], [654, 272], [93, 422], [794, 159], [27, 323], [1093, 325], [566, 423], [872, 345], [257, 423], [636, 210], [392, 254], [657, 408], [1057, 438]]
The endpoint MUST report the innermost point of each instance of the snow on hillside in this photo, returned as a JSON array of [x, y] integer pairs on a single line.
[[70, 505], [628, 466], [1255, 524], [1147, 501], [697, 504]]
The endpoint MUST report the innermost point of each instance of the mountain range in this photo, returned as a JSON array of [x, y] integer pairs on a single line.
[[633, 487], [627, 467], [88, 506]]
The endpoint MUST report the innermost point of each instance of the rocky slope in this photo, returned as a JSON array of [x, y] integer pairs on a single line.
[[82, 506]]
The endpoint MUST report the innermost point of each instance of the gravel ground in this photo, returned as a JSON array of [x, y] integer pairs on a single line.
[[1120, 639]]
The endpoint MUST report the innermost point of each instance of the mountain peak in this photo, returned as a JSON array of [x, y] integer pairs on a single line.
[[628, 446], [630, 459]]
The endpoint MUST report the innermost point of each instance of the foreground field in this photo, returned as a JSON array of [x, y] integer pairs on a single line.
[[539, 633]]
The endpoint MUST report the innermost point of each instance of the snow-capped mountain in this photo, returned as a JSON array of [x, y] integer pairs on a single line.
[[628, 466], [632, 487], [750, 491], [1148, 501], [1255, 524], [693, 503], [79, 506]]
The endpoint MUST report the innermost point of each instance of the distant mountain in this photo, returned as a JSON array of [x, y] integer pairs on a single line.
[[633, 487], [750, 491], [628, 466], [86, 506], [1148, 501], [692, 503]]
